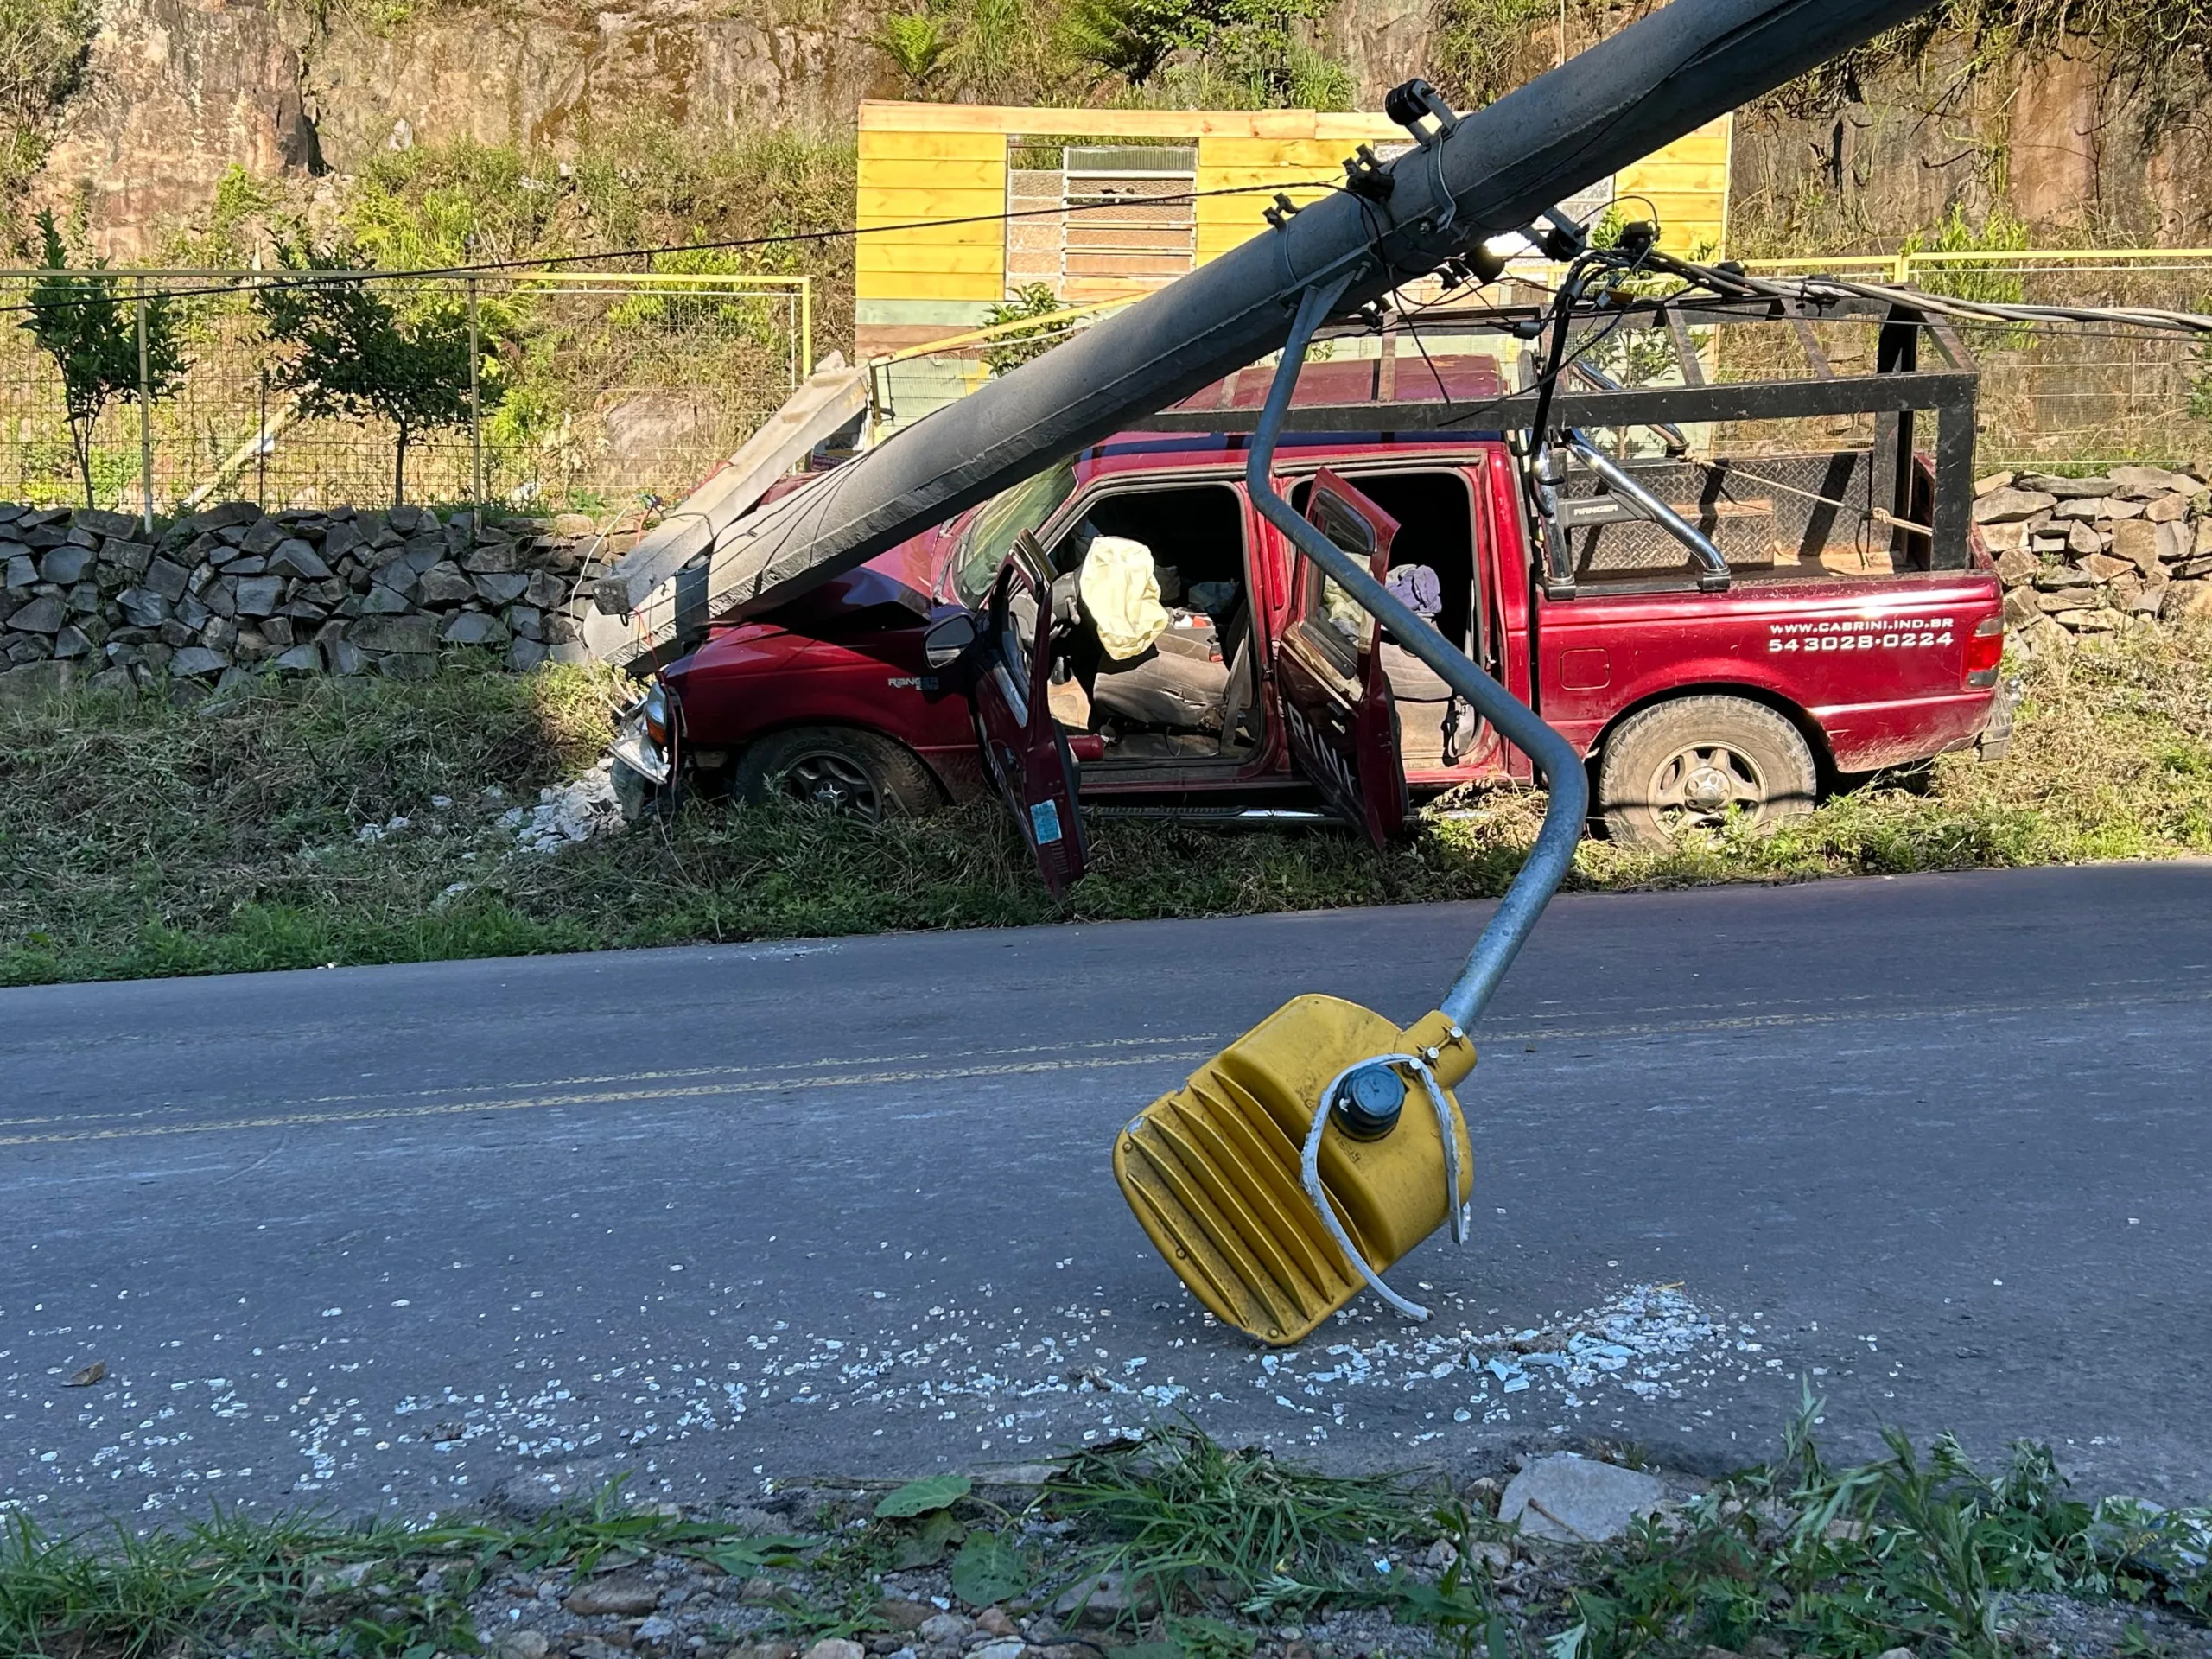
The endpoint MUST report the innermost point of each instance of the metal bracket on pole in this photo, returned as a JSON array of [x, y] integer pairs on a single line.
[[1555, 757]]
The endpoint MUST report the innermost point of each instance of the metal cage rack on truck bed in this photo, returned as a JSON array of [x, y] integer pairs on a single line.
[[1769, 514]]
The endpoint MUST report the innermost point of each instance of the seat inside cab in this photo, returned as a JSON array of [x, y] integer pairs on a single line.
[[1152, 627], [1432, 570]]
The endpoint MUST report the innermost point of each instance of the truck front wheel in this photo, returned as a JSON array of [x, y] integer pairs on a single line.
[[838, 769], [1692, 763]]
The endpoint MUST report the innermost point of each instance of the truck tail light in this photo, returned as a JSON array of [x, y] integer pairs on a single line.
[[1985, 650]]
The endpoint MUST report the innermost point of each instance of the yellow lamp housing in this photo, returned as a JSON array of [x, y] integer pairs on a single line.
[[1223, 1173]]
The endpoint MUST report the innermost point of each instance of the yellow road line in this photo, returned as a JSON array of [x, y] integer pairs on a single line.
[[539, 1103], [747, 1080], [1205, 1045], [823, 1064]]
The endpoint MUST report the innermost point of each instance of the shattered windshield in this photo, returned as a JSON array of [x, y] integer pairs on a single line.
[[991, 536]]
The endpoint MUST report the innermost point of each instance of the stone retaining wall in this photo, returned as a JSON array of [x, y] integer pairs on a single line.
[[86, 595], [2088, 555]]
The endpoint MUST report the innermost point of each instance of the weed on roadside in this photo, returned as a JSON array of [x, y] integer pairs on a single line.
[[1178, 1511]]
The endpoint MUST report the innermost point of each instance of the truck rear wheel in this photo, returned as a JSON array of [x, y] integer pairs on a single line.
[[1687, 764], [838, 769]]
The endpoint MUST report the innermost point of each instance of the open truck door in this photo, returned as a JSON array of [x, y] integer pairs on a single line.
[[1022, 745], [1330, 676]]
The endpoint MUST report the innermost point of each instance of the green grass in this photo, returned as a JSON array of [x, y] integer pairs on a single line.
[[304, 1583], [140, 839], [1179, 1512], [1916, 1549]]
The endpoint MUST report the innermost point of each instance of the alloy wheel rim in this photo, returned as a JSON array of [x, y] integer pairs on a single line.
[[1696, 787], [833, 783]]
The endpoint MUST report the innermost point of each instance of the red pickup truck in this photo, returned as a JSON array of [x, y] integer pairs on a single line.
[[1269, 697]]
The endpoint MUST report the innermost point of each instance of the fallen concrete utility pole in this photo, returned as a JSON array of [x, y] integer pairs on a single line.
[[826, 402], [1472, 178]]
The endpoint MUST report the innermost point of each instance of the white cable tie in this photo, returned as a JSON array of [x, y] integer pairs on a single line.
[[1310, 1168]]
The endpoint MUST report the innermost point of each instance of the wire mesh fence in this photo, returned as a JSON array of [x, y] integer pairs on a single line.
[[592, 389], [596, 388], [2077, 398]]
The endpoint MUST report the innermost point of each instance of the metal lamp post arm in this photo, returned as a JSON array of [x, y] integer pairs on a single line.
[[1555, 757]]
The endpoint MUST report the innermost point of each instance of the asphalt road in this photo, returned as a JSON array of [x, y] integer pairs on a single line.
[[416, 1237]]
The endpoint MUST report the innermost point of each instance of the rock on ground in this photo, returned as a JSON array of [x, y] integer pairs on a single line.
[[618, 1595], [1577, 1501]]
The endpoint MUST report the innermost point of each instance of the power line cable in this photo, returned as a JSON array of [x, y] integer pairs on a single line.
[[291, 277], [1721, 279]]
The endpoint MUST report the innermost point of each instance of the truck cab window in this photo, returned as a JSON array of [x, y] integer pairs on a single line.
[[1342, 620], [1344, 629], [1021, 629], [990, 534]]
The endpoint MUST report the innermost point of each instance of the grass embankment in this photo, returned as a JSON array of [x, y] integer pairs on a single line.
[[140, 839], [1189, 1552]]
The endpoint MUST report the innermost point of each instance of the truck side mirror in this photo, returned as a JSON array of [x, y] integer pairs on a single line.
[[948, 641]]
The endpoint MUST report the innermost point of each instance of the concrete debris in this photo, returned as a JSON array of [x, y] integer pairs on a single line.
[[585, 808], [1575, 1500]]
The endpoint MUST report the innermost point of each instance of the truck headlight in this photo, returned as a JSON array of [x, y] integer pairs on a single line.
[[642, 744]]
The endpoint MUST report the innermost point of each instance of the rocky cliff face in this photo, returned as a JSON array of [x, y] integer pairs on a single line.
[[176, 91], [173, 93], [2060, 140], [538, 73]]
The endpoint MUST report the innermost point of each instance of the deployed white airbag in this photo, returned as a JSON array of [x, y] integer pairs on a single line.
[[1120, 593]]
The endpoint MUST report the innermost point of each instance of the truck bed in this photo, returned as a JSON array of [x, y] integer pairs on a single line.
[[1772, 517]]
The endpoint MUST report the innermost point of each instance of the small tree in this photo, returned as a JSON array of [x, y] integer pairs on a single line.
[[353, 352], [1011, 351], [1255, 52], [89, 326]]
